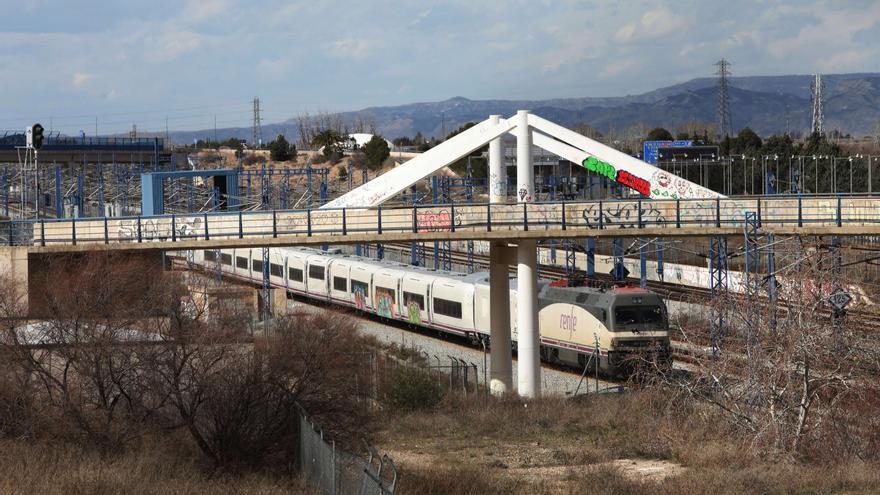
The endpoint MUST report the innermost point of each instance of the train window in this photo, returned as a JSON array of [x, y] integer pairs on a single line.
[[316, 272], [340, 283], [210, 255], [295, 274], [632, 315], [410, 297], [447, 308], [276, 270], [257, 265], [241, 262], [225, 259]]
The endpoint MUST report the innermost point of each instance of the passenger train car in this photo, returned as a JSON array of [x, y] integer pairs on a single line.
[[624, 324]]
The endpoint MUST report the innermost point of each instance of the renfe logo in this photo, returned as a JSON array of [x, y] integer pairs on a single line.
[[605, 169], [568, 322]]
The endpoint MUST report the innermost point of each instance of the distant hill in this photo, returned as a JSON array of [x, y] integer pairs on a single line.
[[767, 104]]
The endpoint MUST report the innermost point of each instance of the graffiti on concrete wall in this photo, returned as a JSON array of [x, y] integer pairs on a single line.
[[436, 220], [621, 215], [160, 228]]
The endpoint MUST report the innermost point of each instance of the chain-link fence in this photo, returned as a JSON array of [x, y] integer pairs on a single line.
[[337, 472]]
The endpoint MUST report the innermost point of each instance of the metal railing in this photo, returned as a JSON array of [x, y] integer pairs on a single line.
[[835, 211]]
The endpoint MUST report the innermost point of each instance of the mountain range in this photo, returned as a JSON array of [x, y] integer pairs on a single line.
[[767, 104]]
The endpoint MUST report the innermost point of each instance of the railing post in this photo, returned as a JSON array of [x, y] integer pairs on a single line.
[[140, 235], [274, 225], [309, 222], [173, 228], [640, 212], [800, 212], [379, 219], [601, 217], [415, 224], [43, 231], [240, 225], [10, 233], [563, 214], [489, 217], [344, 226], [758, 220], [839, 212], [106, 233], [718, 213], [452, 217], [525, 216], [72, 231], [207, 233], [677, 213]]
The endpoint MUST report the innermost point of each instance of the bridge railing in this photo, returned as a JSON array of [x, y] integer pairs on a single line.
[[602, 215]]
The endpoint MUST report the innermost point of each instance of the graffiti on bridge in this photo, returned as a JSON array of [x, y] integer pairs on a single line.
[[623, 216], [159, 229], [436, 221]]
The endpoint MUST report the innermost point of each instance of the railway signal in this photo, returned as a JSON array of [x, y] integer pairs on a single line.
[[34, 136]]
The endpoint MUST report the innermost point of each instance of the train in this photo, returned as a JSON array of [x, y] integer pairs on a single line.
[[618, 327]]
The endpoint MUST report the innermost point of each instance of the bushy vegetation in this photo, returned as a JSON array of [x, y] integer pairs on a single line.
[[281, 150], [410, 389]]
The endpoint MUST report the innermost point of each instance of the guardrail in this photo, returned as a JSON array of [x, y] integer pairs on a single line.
[[602, 215]]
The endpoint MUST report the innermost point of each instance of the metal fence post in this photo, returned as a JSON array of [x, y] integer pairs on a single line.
[[601, 217], [758, 219], [800, 213], [106, 233], [379, 219], [274, 225], [563, 214], [489, 217], [525, 216], [415, 225], [10, 233], [639, 205], [173, 228], [452, 217], [677, 213], [717, 212], [344, 226], [240, 225], [839, 212], [43, 231], [140, 235], [309, 222], [207, 234]]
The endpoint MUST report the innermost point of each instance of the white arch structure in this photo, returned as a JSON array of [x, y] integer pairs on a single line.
[[529, 129]]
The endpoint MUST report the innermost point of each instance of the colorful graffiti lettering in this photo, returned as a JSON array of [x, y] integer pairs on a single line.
[[633, 182], [360, 298], [414, 311], [605, 169], [384, 302], [434, 221]]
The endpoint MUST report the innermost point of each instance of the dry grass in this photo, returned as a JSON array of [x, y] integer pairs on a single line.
[[637, 443], [59, 468]]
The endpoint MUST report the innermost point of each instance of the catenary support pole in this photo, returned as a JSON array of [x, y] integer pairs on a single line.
[[499, 282], [528, 339]]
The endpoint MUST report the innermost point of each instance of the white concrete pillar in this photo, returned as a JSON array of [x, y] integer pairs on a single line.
[[501, 375], [528, 338], [497, 168]]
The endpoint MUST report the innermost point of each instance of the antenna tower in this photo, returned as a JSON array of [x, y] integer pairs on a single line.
[[725, 128], [258, 127], [816, 98]]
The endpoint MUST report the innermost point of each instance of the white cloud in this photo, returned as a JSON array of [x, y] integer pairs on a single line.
[[200, 10], [651, 25], [80, 78], [421, 16], [354, 48]]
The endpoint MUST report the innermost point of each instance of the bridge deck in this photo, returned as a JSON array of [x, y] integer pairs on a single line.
[[842, 216]]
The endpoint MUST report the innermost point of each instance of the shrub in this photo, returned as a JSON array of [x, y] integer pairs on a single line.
[[411, 389]]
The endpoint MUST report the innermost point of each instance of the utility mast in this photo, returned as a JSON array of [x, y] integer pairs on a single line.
[[258, 127], [816, 97], [725, 128]]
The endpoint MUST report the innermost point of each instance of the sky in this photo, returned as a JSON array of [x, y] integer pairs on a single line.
[[69, 63]]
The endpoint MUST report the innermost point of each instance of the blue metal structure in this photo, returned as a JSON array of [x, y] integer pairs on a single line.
[[718, 284], [153, 188]]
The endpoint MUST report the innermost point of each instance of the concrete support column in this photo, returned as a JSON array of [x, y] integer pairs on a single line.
[[528, 338], [501, 375], [499, 282], [497, 169]]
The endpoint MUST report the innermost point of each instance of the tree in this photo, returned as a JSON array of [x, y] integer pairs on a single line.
[[747, 141], [659, 134], [281, 150], [377, 151], [330, 140]]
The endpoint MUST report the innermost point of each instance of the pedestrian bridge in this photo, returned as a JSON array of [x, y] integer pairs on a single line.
[[805, 215]]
